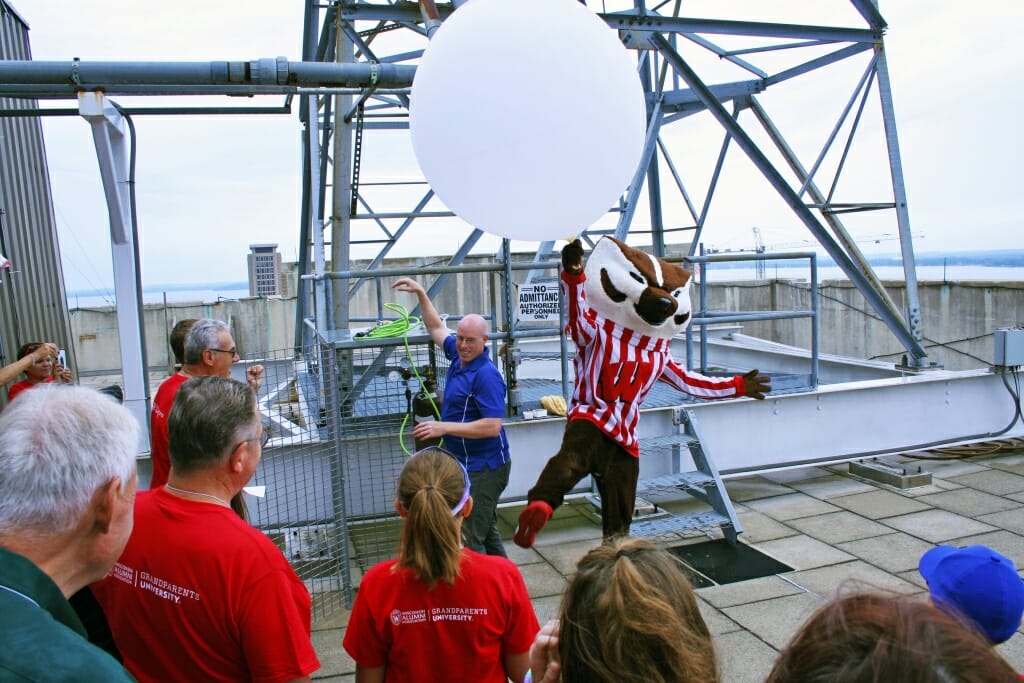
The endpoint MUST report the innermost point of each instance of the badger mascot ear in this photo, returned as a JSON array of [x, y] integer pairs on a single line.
[[636, 290]]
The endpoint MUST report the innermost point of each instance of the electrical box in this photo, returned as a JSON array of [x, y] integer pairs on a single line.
[[1009, 343]]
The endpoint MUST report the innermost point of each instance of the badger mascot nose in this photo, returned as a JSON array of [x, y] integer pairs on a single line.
[[655, 309]]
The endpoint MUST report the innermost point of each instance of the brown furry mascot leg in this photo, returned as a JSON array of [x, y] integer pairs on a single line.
[[585, 449]]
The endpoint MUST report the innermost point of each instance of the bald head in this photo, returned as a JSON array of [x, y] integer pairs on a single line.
[[471, 337], [473, 324]]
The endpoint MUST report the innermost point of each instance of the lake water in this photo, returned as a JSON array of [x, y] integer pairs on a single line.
[[155, 297], [924, 273], [714, 274]]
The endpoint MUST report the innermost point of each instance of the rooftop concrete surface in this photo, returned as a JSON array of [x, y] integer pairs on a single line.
[[838, 533]]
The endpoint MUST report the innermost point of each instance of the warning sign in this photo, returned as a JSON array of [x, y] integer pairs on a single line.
[[538, 302]]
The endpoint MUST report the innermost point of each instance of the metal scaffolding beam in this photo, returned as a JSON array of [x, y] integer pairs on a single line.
[[374, 75]]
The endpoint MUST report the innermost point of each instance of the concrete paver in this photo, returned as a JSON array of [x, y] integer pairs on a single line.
[[837, 527], [775, 621], [754, 488], [879, 504], [1005, 542], [1013, 650], [564, 556], [542, 580], [803, 552], [1000, 460], [743, 657], [717, 622], [546, 609], [730, 594], [1011, 520], [968, 502], [937, 486], [759, 527], [850, 577], [791, 506], [897, 552], [832, 486], [334, 660], [937, 526], [914, 576], [1000, 483]]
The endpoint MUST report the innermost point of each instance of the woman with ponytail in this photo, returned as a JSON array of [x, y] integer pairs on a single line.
[[439, 612], [629, 615]]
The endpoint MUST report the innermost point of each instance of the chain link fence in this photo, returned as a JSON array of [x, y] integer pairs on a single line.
[[336, 448]]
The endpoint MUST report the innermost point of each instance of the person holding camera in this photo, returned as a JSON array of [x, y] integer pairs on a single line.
[[43, 368]]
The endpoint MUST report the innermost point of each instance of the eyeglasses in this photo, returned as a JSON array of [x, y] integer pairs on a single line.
[[263, 438], [465, 473], [232, 351]]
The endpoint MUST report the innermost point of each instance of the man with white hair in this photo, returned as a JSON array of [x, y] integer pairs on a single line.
[[209, 351], [67, 491]]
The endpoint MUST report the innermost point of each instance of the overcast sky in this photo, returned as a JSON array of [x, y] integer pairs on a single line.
[[208, 187]]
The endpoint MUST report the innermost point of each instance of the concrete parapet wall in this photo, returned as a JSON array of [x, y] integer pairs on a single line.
[[258, 324], [957, 318]]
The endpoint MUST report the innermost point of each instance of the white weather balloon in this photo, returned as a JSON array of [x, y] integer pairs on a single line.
[[527, 116]]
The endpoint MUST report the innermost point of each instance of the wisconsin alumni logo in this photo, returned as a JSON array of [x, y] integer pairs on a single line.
[[416, 616]]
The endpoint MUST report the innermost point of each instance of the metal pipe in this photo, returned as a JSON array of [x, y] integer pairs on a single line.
[[711, 317], [815, 323], [80, 75], [431, 270], [151, 111], [431, 19]]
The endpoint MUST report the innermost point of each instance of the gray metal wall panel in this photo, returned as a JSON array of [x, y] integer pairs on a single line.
[[32, 299]]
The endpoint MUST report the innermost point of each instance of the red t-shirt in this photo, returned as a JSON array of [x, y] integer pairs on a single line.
[[21, 386], [199, 595], [158, 448], [459, 632]]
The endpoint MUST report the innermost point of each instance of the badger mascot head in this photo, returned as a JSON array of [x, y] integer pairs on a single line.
[[636, 290]]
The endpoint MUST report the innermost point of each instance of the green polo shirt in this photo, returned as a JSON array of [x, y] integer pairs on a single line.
[[41, 637]]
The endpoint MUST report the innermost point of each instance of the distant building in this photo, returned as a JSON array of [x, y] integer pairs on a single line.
[[289, 280], [264, 270]]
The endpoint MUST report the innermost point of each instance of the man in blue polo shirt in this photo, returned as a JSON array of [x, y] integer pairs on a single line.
[[471, 415]]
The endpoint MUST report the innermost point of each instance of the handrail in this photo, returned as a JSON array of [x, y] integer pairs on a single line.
[[702, 317]]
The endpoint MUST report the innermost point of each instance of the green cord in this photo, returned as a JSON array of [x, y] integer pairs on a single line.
[[395, 328], [402, 326]]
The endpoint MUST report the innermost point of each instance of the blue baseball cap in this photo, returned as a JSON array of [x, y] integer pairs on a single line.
[[978, 583]]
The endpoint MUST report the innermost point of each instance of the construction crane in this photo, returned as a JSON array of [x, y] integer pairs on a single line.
[[758, 248]]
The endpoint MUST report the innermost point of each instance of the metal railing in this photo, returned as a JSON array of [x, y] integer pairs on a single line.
[[703, 318]]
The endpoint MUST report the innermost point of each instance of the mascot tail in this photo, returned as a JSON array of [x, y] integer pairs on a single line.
[[531, 520]]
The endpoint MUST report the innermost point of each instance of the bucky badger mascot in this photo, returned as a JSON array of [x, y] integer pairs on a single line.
[[622, 314]]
